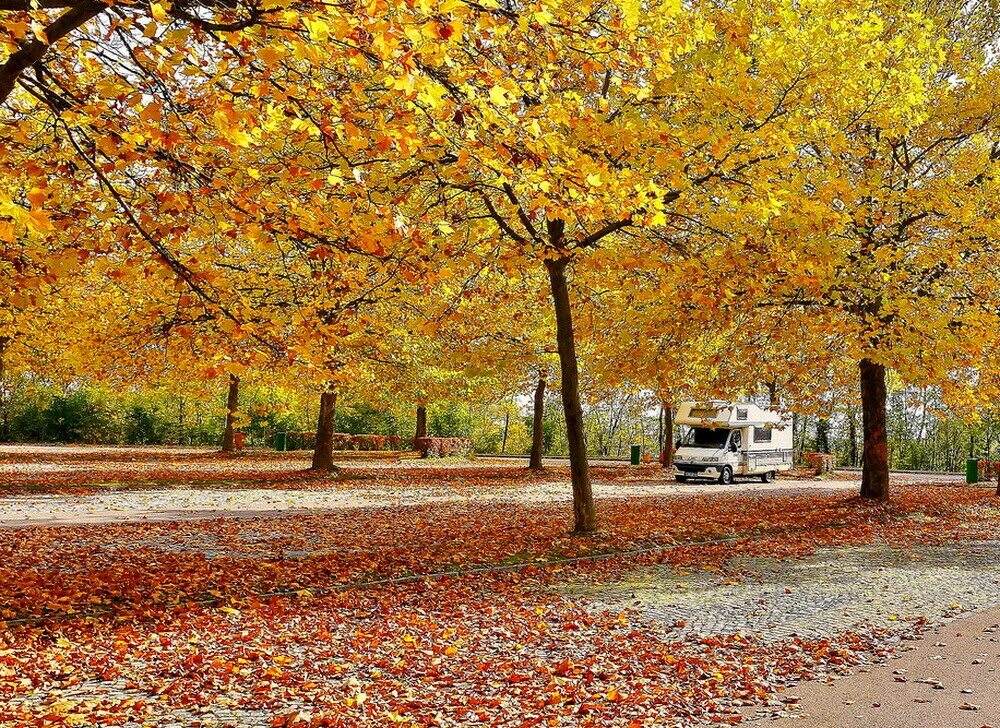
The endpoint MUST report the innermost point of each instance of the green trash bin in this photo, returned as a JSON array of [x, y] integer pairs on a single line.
[[971, 471], [281, 441], [636, 454]]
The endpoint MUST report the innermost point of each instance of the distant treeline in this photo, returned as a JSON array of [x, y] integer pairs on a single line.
[[921, 436], [33, 410]]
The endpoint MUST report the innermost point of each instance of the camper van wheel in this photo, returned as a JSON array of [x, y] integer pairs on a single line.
[[726, 477], [767, 477]]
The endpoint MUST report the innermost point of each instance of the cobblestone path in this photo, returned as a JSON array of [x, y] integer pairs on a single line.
[[818, 596]]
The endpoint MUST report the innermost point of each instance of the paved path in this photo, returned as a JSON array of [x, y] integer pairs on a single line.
[[207, 502], [829, 592], [946, 680], [232, 487], [838, 590]]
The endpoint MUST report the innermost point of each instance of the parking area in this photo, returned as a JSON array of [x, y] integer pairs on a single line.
[[49, 485]]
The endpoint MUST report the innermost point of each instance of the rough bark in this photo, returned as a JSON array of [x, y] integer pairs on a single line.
[[421, 421], [584, 516], [323, 453], [875, 452], [668, 436], [232, 407], [535, 461]]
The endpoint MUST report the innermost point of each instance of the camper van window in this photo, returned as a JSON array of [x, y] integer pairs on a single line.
[[762, 434], [741, 413], [704, 413], [706, 437]]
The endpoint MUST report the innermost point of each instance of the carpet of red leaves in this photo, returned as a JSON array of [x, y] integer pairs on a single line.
[[185, 633]]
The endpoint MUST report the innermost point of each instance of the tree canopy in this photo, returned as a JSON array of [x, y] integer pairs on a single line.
[[424, 198]]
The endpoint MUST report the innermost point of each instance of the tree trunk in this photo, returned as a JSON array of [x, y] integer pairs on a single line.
[[232, 407], [584, 516], [772, 393], [853, 435], [659, 430], [180, 421], [875, 453], [506, 428], [421, 421], [823, 435], [537, 430], [5, 419], [325, 425], [668, 436]]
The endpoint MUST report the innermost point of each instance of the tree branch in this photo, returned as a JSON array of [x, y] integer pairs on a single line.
[[596, 237], [32, 51]]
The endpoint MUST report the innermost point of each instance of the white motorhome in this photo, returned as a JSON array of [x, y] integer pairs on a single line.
[[722, 440]]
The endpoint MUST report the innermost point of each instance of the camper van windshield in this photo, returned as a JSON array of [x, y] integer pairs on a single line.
[[713, 437]]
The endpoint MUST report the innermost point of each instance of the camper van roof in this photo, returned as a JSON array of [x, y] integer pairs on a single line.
[[716, 413]]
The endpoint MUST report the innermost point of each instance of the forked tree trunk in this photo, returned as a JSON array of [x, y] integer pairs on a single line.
[[584, 516], [535, 461], [668, 436], [875, 453], [232, 407], [421, 421], [323, 453]]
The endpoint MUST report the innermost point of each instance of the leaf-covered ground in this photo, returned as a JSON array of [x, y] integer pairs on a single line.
[[332, 620]]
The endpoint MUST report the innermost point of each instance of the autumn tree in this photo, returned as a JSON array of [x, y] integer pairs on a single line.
[[556, 131], [890, 246]]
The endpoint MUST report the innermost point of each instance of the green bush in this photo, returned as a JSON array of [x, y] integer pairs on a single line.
[[78, 417], [450, 420]]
